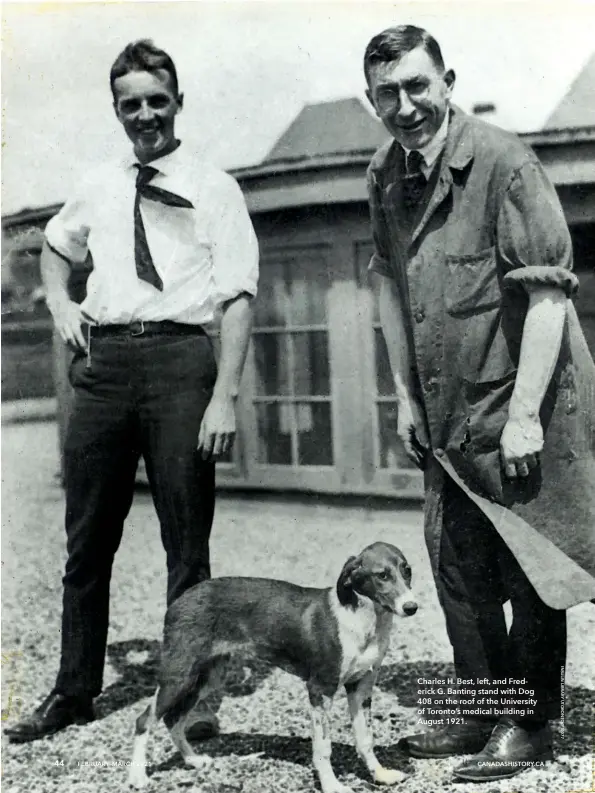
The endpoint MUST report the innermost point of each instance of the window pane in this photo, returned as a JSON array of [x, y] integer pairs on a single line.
[[363, 253], [272, 364], [271, 304], [275, 423], [392, 453], [385, 385], [315, 441], [585, 302], [309, 287], [311, 374]]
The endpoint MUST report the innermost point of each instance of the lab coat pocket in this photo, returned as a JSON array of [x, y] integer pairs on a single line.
[[487, 410], [471, 283], [487, 413]]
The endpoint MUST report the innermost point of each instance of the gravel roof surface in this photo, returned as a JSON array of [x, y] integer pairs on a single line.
[[265, 743]]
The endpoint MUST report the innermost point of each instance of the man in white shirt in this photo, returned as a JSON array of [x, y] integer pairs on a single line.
[[172, 245]]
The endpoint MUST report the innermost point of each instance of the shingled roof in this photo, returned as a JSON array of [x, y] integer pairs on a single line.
[[343, 126], [577, 108]]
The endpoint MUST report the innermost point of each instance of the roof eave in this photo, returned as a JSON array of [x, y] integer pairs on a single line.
[[550, 137], [306, 163]]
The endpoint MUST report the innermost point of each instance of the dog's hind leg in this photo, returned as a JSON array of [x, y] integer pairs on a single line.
[[177, 730], [137, 776], [178, 722], [359, 697]]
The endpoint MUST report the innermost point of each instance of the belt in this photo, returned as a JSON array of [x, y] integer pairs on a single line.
[[141, 328]]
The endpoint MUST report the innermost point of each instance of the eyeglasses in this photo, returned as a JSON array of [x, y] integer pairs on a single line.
[[388, 100]]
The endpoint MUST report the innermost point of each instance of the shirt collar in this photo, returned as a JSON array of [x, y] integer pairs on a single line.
[[165, 165], [432, 150]]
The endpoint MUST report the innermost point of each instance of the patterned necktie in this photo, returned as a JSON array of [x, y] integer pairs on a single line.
[[414, 182], [145, 269]]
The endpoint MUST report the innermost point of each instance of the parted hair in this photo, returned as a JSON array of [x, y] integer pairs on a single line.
[[142, 56], [393, 43]]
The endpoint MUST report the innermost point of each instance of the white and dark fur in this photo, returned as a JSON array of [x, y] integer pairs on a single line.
[[329, 637]]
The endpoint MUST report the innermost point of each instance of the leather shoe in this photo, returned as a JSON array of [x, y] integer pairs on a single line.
[[206, 724], [56, 712], [510, 750], [203, 730], [466, 738]]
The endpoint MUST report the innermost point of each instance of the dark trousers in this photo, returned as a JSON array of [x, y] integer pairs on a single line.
[[143, 395], [477, 573]]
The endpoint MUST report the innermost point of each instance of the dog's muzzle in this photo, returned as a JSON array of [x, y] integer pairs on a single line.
[[403, 608], [409, 608]]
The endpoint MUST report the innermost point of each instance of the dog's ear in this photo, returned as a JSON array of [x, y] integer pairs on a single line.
[[345, 591]]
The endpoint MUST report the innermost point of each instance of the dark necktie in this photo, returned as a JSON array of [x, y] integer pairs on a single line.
[[145, 269], [414, 182]]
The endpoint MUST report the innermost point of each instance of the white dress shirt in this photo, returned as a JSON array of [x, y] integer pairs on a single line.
[[432, 150], [205, 255]]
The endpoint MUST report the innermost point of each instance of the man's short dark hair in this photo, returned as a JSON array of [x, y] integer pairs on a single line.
[[142, 56], [393, 43]]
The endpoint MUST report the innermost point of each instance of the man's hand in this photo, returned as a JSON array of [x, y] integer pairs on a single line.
[[520, 443], [68, 318], [411, 429], [217, 429]]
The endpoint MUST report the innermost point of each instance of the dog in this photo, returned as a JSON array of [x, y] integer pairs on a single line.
[[328, 637]]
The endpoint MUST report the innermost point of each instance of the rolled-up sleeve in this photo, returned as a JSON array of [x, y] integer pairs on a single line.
[[68, 231], [534, 242], [235, 247], [380, 261]]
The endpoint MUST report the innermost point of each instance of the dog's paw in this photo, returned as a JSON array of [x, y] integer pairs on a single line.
[[198, 761], [388, 776], [138, 779]]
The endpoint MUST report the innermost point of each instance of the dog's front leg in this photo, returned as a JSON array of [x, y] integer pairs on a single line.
[[359, 696], [321, 704]]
